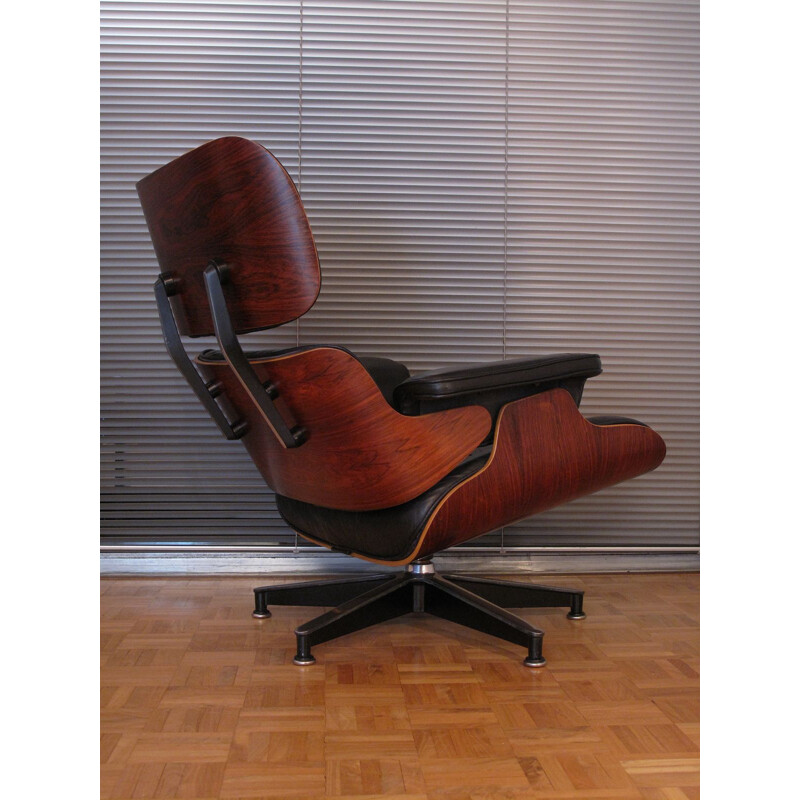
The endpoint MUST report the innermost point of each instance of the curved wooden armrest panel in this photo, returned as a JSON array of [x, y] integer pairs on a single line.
[[545, 453], [360, 454]]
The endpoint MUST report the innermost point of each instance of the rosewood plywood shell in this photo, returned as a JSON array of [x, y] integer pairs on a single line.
[[545, 454], [232, 201], [360, 453]]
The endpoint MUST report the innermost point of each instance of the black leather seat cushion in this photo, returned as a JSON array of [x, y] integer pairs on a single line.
[[389, 534], [384, 371]]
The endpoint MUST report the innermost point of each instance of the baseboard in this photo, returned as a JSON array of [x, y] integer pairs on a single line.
[[182, 561]]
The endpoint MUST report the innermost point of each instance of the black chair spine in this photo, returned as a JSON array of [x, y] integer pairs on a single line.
[[164, 288], [215, 276]]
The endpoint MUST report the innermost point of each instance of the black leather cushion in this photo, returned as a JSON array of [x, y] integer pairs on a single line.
[[254, 355], [476, 377], [608, 419], [494, 384], [385, 372], [388, 533]]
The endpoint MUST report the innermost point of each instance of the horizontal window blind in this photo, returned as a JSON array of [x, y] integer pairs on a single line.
[[603, 238], [175, 75], [484, 180], [403, 146]]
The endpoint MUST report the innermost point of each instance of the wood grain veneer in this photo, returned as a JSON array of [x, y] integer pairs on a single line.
[[360, 453], [231, 200], [545, 453]]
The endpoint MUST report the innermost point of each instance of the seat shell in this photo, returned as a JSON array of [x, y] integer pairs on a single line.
[[545, 452]]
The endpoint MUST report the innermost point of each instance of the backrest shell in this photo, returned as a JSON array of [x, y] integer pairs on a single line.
[[232, 201], [361, 454]]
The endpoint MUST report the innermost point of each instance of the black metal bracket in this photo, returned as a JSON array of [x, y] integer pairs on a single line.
[[215, 276], [164, 287]]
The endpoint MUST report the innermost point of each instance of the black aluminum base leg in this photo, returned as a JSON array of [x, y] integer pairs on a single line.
[[444, 598], [513, 594], [314, 593], [392, 599], [261, 611], [576, 607], [535, 658], [303, 657]]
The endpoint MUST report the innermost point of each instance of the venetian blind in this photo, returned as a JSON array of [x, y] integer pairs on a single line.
[[484, 180]]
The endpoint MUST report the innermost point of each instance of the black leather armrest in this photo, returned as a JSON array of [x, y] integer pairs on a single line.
[[495, 384]]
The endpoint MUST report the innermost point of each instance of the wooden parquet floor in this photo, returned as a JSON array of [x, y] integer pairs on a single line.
[[199, 700]]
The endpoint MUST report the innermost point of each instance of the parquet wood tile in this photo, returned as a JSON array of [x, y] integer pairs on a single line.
[[582, 772], [338, 653], [659, 772], [551, 714], [373, 776], [337, 694], [648, 740], [201, 748], [116, 748], [624, 711], [436, 673], [484, 741], [366, 673], [691, 730], [138, 676], [285, 695], [603, 689], [473, 773], [200, 701], [211, 676], [269, 780], [192, 718], [398, 744], [481, 793], [430, 654], [527, 742], [671, 793], [148, 657], [206, 696], [251, 744], [367, 719], [451, 717], [542, 689], [444, 694], [290, 719], [285, 675]]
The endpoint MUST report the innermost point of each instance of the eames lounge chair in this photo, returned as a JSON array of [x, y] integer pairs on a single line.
[[364, 459]]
